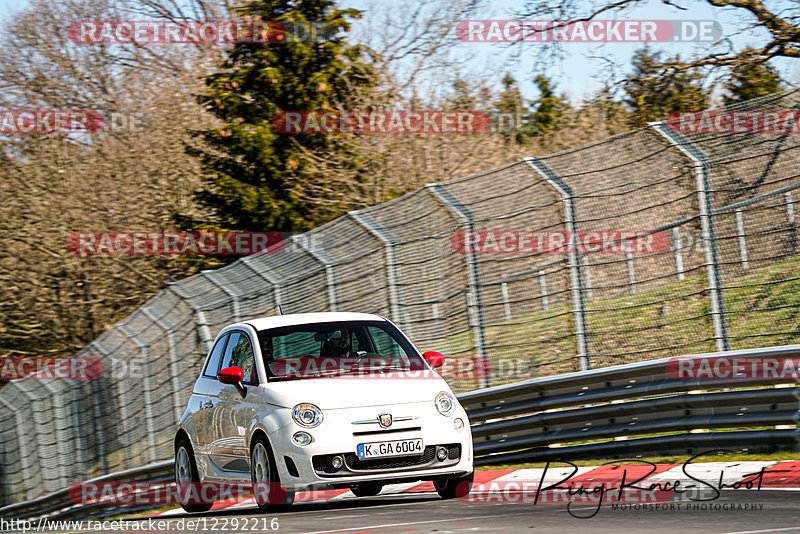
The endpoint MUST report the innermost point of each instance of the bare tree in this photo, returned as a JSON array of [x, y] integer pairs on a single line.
[[782, 38]]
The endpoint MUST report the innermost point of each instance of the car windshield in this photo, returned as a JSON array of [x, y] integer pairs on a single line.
[[334, 349]]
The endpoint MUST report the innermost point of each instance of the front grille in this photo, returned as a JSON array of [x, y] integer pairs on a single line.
[[353, 465], [454, 452]]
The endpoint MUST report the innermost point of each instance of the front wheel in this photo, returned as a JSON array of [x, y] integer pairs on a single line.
[[267, 489], [456, 487], [187, 479]]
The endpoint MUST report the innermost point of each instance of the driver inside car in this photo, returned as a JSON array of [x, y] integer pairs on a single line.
[[337, 345]]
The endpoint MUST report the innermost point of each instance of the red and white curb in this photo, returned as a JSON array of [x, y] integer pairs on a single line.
[[777, 475]]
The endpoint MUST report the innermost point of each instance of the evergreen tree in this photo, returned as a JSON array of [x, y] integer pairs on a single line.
[[513, 119], [549, 107], [652, 95], [257, 178], [751, 80]]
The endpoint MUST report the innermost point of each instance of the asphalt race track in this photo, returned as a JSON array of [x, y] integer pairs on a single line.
[[771, 511]]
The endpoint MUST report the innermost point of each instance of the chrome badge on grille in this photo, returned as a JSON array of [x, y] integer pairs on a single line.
[[385, 420]]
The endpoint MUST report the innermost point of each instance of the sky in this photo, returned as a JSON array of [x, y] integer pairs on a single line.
[[585, 67]]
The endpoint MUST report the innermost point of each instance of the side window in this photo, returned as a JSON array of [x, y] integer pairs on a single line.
[[386, 344], [239, 353], [212, 367]]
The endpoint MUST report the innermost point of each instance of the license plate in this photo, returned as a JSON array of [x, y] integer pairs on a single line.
[[402, 447]]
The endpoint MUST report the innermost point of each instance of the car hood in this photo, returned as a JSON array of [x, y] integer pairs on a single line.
[[333, 393]]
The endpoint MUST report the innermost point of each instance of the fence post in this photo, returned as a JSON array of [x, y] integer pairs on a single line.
[[740, 238], [506, 304], [210, 276], [385, 237], [65, 440], [271, 279], [147, 388], [124, 416], [48, 432], [174, 370], [99, 424], [330, 270], [435, 316], [543, 290], [631, 273], [705, 205], [474, 300], [577, 287], [25, 455], [202, 322], [787, 199], [678, 253]]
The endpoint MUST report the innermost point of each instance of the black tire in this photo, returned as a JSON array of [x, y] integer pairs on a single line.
[[185, 448], [267, 490], [456, 487], [366, 489]]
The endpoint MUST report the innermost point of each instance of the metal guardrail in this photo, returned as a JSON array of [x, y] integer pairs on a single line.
[[59, 505], [522, 421], [528, 421]]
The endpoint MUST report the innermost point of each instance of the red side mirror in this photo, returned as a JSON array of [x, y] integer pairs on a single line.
[[434, 359], [230, 375]]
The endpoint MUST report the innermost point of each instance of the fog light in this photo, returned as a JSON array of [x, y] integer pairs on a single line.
[[337, 462], [302, 438], [458, 424], [441, 454]]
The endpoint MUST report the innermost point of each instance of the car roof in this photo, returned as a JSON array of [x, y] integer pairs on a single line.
[[291, 319]]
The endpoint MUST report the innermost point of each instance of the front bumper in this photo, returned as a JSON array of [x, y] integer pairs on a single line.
[[308, 467]]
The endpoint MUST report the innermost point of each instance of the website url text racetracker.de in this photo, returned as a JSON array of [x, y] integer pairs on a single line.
[[393, 122], [199, 524], [588, 31]]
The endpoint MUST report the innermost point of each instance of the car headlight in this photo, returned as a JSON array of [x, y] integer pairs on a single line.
[[445, 403], [307, 415]]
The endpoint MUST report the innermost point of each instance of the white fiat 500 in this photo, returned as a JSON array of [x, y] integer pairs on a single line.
[[321, 401]]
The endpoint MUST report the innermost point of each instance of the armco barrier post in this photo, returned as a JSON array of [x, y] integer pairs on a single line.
[[705, 206], [474, 300], [577, 286]]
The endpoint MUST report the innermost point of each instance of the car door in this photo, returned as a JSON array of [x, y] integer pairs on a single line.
[[231, 414], [201, 403]]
